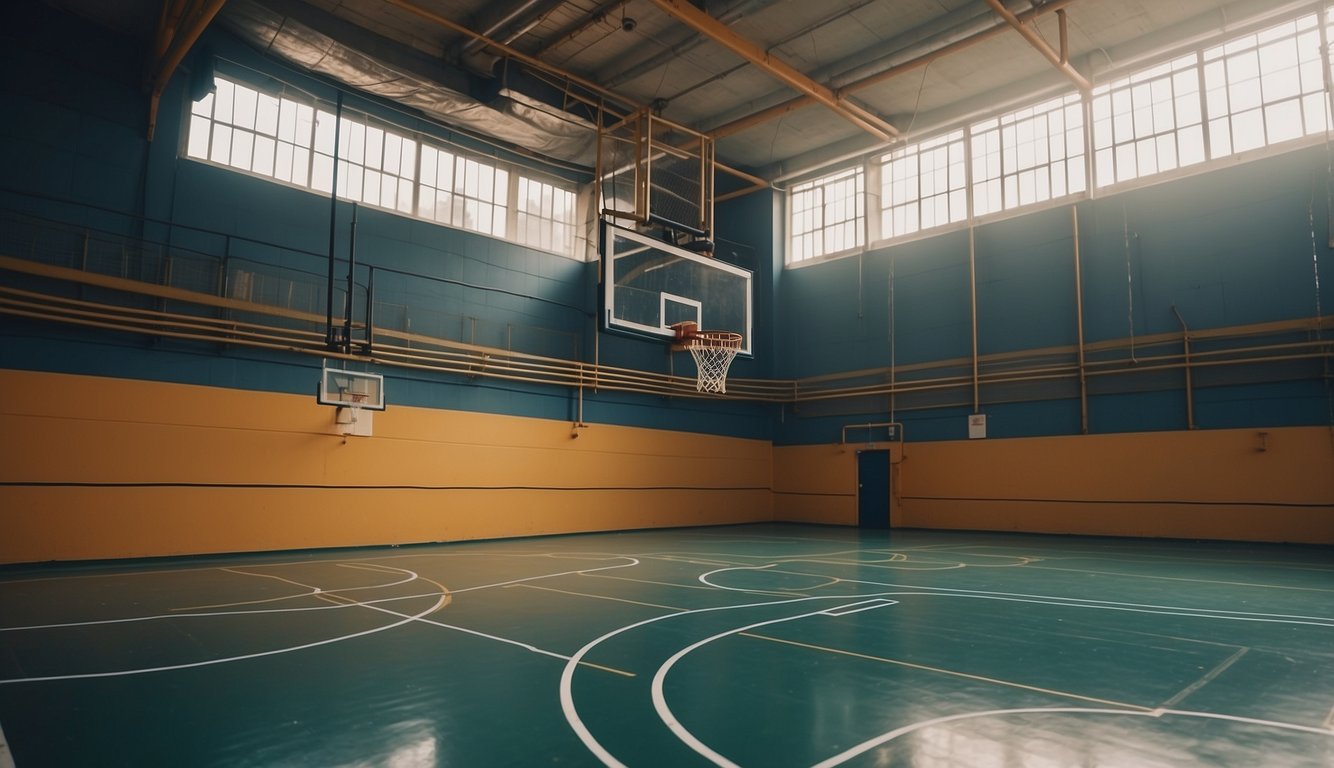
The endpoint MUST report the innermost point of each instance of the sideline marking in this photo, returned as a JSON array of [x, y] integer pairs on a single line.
[[1203, 681], [1329, 721]]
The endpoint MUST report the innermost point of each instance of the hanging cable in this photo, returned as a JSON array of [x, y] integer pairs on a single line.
[[1130, 280]]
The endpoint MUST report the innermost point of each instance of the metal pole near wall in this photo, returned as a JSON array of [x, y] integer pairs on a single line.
[[351, 286], [972, 298], [369, 345], [1079, 328], [1190, 384], [330, 339]]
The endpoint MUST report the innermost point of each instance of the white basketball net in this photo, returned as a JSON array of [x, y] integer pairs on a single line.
[[713, 356]]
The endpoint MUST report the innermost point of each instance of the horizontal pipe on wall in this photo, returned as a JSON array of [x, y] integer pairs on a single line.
[[472, 360]]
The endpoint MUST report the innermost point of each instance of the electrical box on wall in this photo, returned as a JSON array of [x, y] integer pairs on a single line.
[[977, 426]]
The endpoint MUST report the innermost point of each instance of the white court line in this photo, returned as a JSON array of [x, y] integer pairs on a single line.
[[420, 618], [314, 590], [1069, 602], [1209, 677], [465, 630], [633, 562], [567, 705], [885, 738], [660, 700], [1179, 578], [865, 605], [217, 614], [6, 757], [444, 598], [313, 561], [826, 558]]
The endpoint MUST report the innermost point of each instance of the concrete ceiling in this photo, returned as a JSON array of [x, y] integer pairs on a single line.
[[638, 52]]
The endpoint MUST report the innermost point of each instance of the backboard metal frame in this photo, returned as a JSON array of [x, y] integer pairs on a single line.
[[351, 389], [611, 232]]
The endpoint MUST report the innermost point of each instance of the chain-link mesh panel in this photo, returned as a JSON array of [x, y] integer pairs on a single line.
[[657, 173]]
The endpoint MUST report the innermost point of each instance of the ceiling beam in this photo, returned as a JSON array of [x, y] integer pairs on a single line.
[[1034, 39], [791, 105], [173, 45], [723, 35]]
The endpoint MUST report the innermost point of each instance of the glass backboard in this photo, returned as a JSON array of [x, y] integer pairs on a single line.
[[649, 284]]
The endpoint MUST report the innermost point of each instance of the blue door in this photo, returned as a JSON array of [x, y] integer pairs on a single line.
[[873, 489]]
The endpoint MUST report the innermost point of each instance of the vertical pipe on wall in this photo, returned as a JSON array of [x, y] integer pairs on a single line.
[[1190, 386], [1079, 327], [329, 339], [861, 292], [893, 396], [972, 298], [226, 265], [369, 346], [1329, 96], [644, 153], [351, 287], [1130, 280]]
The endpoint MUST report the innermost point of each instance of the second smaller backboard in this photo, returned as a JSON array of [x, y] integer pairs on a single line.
[[351, 389], [649, 285]]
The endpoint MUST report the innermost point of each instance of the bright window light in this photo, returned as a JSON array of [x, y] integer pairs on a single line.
[[1028, 156], [828, 215], [923, 186]]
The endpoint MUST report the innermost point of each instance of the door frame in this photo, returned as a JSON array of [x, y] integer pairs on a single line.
[[869, 518]]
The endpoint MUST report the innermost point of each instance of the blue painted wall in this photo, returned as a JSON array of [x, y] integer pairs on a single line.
[[1233, 246], [1229, 247], [80, 155]]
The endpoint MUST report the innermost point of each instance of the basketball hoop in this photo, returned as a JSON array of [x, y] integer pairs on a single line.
[[713, 352], [349, 414]]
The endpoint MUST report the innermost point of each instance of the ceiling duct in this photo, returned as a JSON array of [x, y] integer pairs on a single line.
[[510, 117]]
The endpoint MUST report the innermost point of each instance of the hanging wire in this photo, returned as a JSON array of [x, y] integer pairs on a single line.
[[1130, 280]]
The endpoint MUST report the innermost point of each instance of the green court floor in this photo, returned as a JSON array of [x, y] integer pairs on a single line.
[[773, 645]]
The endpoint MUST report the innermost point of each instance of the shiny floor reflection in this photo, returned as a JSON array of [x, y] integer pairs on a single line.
[[754, 645]]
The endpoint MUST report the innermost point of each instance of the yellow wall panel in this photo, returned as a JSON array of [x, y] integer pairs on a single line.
[[818, 483], [1244, 484], [1217, 484], [190, 469], [176, 469]]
